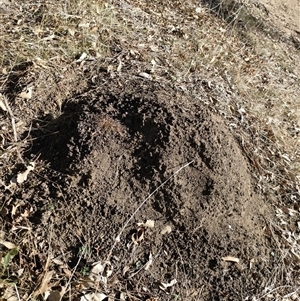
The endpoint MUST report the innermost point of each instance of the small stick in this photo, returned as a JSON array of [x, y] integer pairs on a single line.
[[71, 277], [140, 206], [12, 118], [17, 292]]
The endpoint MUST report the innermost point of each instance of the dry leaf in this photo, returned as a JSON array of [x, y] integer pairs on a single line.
[[63, 266], [58, 262], [154, 48], [101, 272], [84, 24], [93, 297], [27, 212], [71, 31], [252, 261], [8, 293], [48, 38], [96, 272], [150, 261], [149, 224], [37, 30], [26, 94], [20, 272], [82, 57], [14, 209], [126, 269], [2, 105], [41, 63], [145, 75], [231, 259], [110, 69], [22, 177], [166, 230], [45, 283], [164, 286], [67, 272], [8, 244], [120, 64]]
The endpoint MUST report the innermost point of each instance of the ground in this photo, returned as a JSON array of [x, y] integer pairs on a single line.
[[133, 174], [284, 14]]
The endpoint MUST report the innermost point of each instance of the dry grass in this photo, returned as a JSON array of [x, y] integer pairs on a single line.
[[39, 46], [53, 35], [251, 78]]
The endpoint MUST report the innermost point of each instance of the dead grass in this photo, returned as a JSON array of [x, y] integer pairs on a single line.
[[252, 79], [53, 35]]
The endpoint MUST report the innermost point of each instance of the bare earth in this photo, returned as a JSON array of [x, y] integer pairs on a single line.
[[116, 142], [116, 145], [285, 14]]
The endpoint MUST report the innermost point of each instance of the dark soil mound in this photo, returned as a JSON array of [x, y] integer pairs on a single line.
[[113, 146]]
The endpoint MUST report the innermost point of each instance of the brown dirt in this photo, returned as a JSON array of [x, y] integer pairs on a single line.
[[116, 141]]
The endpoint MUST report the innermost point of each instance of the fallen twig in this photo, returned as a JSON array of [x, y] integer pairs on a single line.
[[12, 118], [70, 279], [17, 292]]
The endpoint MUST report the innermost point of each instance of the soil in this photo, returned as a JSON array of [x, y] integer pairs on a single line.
[[117, 140], [285, 14]]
